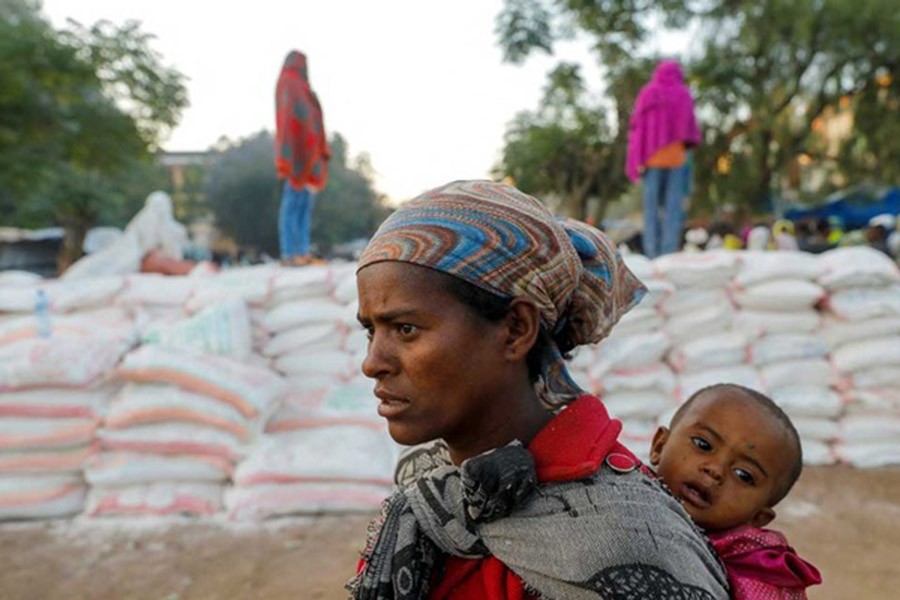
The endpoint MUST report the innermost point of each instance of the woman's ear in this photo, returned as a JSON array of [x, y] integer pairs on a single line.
[[659, 441], [523, 324]]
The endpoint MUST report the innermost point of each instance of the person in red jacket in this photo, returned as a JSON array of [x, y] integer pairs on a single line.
[[517, 486], [730, 455], [301, 157]]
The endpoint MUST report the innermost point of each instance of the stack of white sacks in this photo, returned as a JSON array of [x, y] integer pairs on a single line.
[[325, 448], [193, 404], [53, 390], [627, 369], [777, 299], [862, 331], [245, 394]]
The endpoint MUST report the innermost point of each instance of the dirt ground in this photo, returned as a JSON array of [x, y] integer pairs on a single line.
[[846, 522]]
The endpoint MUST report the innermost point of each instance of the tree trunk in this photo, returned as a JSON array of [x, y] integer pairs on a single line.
[[72, 245], [764, 177]]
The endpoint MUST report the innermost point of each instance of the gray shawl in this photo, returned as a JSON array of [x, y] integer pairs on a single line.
[[613, 535]]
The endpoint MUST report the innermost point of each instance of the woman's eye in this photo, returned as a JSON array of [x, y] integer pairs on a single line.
[[702, 444], [745, 476], [406, 329]]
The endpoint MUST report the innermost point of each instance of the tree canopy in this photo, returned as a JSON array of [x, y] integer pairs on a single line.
[[81, 110], [245, 196], [772, 80]]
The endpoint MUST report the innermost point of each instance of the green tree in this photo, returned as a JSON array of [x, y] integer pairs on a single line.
[[81, 109], [565, 150], [767, 72], [245, 196]]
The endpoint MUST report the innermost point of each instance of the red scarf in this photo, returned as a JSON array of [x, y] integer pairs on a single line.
[[301, 147]]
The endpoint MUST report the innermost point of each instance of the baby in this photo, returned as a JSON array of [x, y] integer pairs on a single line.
[[730, 455]]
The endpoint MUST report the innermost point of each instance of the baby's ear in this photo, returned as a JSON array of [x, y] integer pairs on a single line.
[[659, 441], [763, 517]]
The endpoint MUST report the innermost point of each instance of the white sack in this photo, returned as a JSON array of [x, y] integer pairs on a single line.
[[222, 328], [60, 361], [779, 295], [274, 500], [158, 499], [702, 269], [693, 299], [709, 320], [637, 404], [857, 266], [868, 354], [249, 388], [859, 304], [709, 351], [112, 469], [805, 371], [628, 352], [656, 377], [836, 332], [776, 347], [691, 383], [761, 322], [321, 454], [808, 401], [40, 497], [757, 267]]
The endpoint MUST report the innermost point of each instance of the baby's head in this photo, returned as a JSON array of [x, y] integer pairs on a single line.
[[730, 455]]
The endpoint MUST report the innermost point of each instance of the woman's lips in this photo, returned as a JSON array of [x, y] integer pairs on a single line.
[[694, 495], [390, 406]]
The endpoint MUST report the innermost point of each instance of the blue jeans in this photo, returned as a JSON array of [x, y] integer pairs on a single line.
[[294, 219], [663, 189]]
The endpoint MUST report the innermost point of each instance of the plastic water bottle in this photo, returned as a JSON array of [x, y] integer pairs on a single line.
[[42, 313]]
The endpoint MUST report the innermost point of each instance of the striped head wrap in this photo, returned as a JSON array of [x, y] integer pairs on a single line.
[[503, 241]]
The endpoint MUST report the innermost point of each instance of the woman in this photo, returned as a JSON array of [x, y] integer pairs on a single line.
[[471, 294], [662, 129], [301, 157]]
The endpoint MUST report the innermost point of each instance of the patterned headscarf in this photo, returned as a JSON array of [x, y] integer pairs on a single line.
[[507, 243]]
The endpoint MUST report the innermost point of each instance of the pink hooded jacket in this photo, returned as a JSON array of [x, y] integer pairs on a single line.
[[663, 114]]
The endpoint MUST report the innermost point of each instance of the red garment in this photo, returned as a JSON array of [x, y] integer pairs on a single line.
[[761, 565], [571, 446], [301, 147]]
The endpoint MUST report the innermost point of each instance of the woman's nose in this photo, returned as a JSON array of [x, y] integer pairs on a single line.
[[376, 363]]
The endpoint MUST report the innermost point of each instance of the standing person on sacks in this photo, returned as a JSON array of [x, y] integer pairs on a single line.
[[516, 486], [662, 130], [301, 157]]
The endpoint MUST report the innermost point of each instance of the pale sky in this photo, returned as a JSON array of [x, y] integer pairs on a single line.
[[420, 86]]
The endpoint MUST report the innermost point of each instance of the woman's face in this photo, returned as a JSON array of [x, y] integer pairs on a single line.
[[436, 362]]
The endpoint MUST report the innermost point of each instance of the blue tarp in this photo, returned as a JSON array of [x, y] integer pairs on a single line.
[[855, 206]]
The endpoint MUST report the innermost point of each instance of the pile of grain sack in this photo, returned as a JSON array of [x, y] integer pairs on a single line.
[[232, 394], [239, 393]]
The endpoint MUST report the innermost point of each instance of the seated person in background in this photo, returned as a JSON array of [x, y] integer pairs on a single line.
[[730, 455], [784, 236], [880, 227], [722, 235]]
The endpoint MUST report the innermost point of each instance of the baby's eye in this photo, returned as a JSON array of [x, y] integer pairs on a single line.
[[745, 476], [701, 443]]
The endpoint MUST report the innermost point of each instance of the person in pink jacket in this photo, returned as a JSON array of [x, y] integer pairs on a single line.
[[662, 130], [730, 455]]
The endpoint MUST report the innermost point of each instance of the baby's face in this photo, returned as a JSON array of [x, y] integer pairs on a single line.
[[724, 459]]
